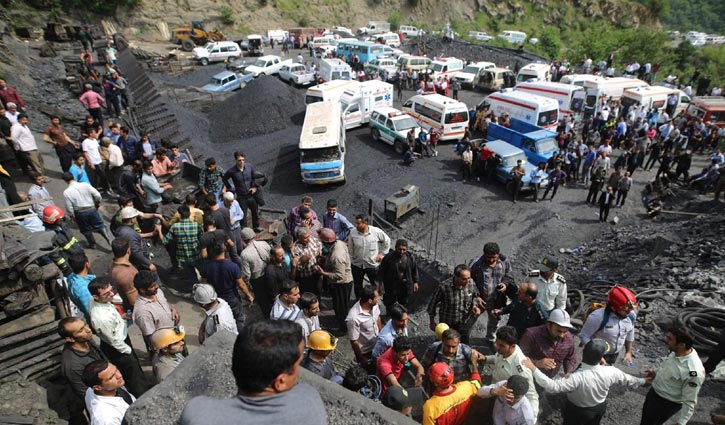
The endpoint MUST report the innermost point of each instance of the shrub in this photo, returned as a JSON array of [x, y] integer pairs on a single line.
[[394, 20], [227, 15]]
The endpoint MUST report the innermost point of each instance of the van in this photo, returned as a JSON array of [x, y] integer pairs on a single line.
[[328, 92], [610, 88], [535, 110], [334, 69], [570, 97], [492, 79], [358, 101], [445, 67], [409, 30], [414, 63], [708, 109], [470, 74], [539, 71], [389, 39], [515, 37], [278, 35], [578, 79], [216, 51], [654, 97], [447, 116], [322, 144]]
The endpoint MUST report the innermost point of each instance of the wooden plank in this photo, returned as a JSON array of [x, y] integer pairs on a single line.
[[56, 347], [42, 342], [19, 206], [28, 321], [20, 217], [28, 334]]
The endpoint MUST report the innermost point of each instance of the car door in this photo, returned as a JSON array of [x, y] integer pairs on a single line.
[[215, 54], [352, 116]]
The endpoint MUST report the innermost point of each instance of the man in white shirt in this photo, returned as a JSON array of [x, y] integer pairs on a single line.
[[106, 397], [285, 305], [308, 318], [82, 202], [92, 152], [114, 163], [25, 146], [218, 313], [363, 326], [511, 405], [367, 245]]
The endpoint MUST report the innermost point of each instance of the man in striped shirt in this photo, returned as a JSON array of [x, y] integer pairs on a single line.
[[459, 300], [186, 234], [285, 306]]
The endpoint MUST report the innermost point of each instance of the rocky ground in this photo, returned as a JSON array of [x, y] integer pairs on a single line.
[[455, 219]]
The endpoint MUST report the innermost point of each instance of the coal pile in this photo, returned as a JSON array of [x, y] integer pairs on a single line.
[[198, 78], [501, 56], [264, 106]]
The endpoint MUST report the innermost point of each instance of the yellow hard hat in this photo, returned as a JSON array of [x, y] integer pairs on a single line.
[[321, 340], [164, 337], [440, 328]]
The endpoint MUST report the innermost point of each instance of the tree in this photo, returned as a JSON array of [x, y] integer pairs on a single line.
[[550, 41]]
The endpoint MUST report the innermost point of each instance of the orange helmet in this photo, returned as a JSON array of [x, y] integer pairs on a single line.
[[52, 213], [621, 298], [441, 374]]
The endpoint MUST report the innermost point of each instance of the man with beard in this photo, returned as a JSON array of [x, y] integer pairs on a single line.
[[492, 273], [64, 146], [614, 324], [551, 346], [398, 273]]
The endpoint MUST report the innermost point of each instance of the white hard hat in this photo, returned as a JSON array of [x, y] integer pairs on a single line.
[[204, 293]]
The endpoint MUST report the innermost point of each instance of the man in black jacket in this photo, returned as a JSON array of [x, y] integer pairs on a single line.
[[398, 273], [242, 179]]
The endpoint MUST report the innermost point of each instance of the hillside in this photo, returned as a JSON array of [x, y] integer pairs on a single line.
[[696, 15]]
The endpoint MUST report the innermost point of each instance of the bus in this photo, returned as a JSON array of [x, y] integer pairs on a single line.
[[447, 116], [365, 51], [570, 97], [302, 35], [322, 144], [533, 109], [330, 91]]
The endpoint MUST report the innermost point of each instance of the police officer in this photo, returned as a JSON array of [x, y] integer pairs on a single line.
[[676, 383], [552, 285], [64, 240], [614, 324]]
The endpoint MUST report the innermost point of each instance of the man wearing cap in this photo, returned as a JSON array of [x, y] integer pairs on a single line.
[[398, 274], [168, 343], [317, 360], [255, 257], [335, 269], [92, 102], [139, 252], [614, 324], [551, 346], [676, 382], [588, 387], [552, 285], [210, 178], [492, 273], [511, 406], [458, 301], [450, 403], [217, 313], [82, 201], [25, 146]]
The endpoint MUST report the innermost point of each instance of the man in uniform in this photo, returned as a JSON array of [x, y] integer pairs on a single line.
[[524, 312], [676, 383], [492, 274], [552, 285], [614, 324]]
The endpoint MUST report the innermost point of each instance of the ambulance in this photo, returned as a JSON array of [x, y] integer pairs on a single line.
[[570, 97], [358, 101], [533, 109], [328, 92]]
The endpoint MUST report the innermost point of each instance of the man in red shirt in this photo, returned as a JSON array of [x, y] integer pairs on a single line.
[[392, 363], [551, 346], [10, 95]]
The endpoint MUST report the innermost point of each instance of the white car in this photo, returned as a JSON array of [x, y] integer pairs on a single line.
[[296, 74], [392, 51], [383, 64], [391, 126], [216, 51], [479, 35]]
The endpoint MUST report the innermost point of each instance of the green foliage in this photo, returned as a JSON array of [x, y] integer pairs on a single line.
[[394, 20], [303, 21], [550, 42], [102, 7], [226, 14], [696, 15]]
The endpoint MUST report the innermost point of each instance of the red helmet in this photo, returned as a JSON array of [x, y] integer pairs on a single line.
[[621, 298], [441, 374], [52, 213]]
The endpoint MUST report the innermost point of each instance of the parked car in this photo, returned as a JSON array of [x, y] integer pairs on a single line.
[[381, 65], [238, 64], [267, 65], [217, 51], [391, 126], [296, 74], [510, 155], [227, 81], [479, 35]]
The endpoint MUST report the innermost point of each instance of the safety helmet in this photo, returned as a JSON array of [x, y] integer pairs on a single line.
[[621, 298], [441, 374], [52, 213], [164, 337], [321, 340], [440, 328]]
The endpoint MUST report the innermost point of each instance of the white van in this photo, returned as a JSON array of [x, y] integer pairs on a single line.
[[334, 69], [608, 88], [535, 110], [468, 77], [515, 37], [390, 39], [409, 30], [539, 71], [447, 116], [216, 51], [442, 67], [358, 101], [322, 144], [414, 63], [277, 35], [578, 79], [654, 97], [328, 92], [570, 97]]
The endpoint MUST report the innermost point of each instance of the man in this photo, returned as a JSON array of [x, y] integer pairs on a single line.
[[162, 165], [64, 241], [396, 398], [129, 183], [217, 313], [122, 272], [551, 285], [363, 326], [557, 177], [114, 163], [222, 221], [128, 144], [511, 406], [113, 332], [551, 346], [185, 234], [64, 146], [606, 200], [93, 102], [524, 312], [285, 305], [139, 251], [337, 274], [391, 364], [152, 311], [306, 250], [508, 361], [225, 276], [517, 173], [106, 397], [368, 245], [614, 324], [268, 392], [169, 344], [676, 383], [309, 221], [396, 326], [241, 176], [236, 219], [10, 95], [588, 387], [155, 191], [308, 318], [398, 274], [274, 275], [78, 168], [92, 153], [457, 299], [336, 221], [317, 359], [294, 218], [37, 192], [78, 281], [492, 273], [82, 201], [450, 403], [462, 359], [25, 146], [536, 175], [210, 178], [79, 350]]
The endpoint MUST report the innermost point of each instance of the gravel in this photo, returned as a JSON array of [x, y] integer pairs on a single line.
[[501, 56]]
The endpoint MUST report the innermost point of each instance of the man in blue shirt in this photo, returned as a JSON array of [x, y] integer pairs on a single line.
[[78, 282], [336, 221], [396, 326], [78, 168], [537, 174]]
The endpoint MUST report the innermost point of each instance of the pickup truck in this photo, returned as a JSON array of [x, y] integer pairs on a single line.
[[510, 155], [226, 81], [266, 65], [296, 74], [538, 144]]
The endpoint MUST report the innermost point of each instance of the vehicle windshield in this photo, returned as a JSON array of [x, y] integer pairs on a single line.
[[436, 67], [312, 99], [546, 145], [209, 47], [456, 117], [695, 112], [260, 62], [320, 155], [216, 81], [524, 77], [471, 69], [591, 101], [510, 161], [547, 118], [405, 124]]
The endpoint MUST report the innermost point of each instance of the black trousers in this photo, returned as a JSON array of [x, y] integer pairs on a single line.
[[129, 366], [65, 156], [341, 301], [555, 187], [395, 292], [515, 189], [310, 284], [574, 415], [657, 410], [621, 197], [603, 212], [358, 276], [249, 205]]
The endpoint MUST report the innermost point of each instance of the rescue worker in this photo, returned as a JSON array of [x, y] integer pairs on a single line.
[[450, 403], [64, 240], [552, 285], [614, 324]]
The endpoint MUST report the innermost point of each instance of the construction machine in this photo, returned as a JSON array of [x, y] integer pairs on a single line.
[[195, 35]]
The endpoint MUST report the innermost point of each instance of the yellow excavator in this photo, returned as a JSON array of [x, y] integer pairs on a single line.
[[195, 35]]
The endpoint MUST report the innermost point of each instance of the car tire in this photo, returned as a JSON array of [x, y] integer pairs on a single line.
[[375, 134], [399, 147], [204, 61], [261, 74], [187, 45]]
